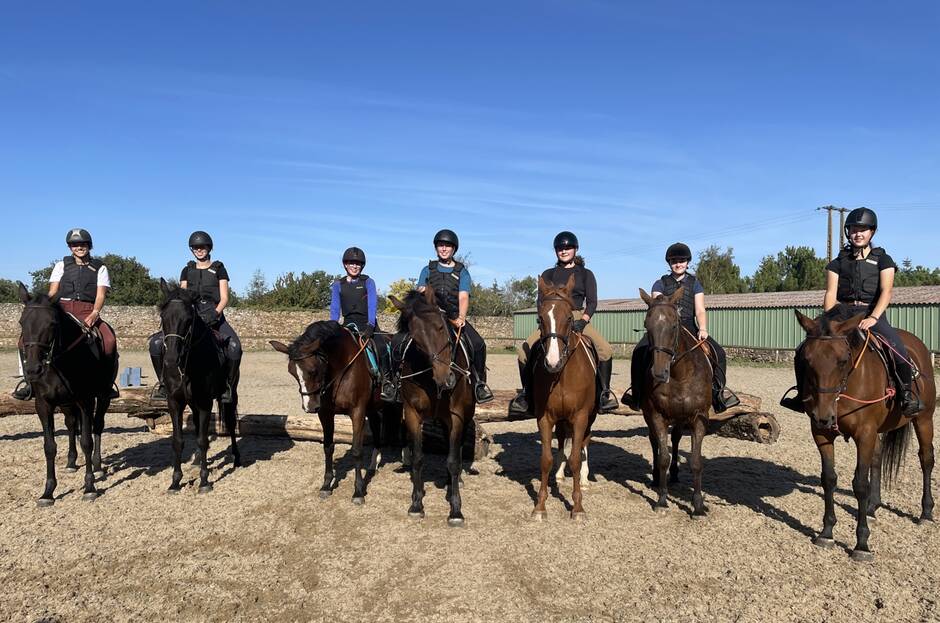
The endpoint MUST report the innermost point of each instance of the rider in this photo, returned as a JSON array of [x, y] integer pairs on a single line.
[[451, 283], [694, 318], [354, 297], [584, 297], [209, 279], [859, 281], [82, 283]]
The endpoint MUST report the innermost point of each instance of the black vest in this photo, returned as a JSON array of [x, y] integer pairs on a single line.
[[559, 277], [204, 282], [859, 280], [446, 287], [79, 281], [354, 301], [687, 302]]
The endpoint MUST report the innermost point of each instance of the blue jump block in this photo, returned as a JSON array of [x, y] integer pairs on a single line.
[[129, 377]]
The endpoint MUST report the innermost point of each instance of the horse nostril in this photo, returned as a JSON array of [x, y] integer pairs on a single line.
[[451, 380]]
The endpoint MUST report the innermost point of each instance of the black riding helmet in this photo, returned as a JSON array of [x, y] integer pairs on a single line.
[[678, 251], [78, 235], [200, 239], [862, 217], [565, 239], [354, 254], [447, 236]]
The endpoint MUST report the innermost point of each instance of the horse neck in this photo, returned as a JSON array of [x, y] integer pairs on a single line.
[[870, 370]]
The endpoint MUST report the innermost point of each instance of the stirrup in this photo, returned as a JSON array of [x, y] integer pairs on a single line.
[[159, 392], [482, 393], [226, 397], [793, 403], [23, 391], [629, 401], [608, 403], [520, 404], [911, 404]]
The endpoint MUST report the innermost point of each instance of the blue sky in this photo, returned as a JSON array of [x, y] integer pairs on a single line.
[[291, 130]]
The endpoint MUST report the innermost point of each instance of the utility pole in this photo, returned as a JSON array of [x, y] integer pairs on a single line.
[[829, 210]]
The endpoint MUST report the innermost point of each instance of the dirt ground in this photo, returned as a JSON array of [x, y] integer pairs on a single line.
[[262, 546]]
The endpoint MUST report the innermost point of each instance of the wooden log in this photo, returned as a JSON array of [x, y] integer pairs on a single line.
[[134, 401], [760, 427], [476, 441]]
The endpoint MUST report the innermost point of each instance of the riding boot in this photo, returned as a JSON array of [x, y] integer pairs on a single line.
[[632, 398], [521, 403], [228, 396], [115, 392], [795, 403], [23, 391], [722, 397], [911, 404], [159, 392], [607, 401], [481, 392]]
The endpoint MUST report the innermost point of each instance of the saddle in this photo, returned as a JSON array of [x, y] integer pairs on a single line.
[[371, 352], [92, 336], [888, 357]]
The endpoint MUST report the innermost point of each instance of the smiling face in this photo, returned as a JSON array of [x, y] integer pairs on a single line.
[[353, 269], [200, 252], [678, 266], [79, 250], [444, 251], [566, 254], [860, 235]]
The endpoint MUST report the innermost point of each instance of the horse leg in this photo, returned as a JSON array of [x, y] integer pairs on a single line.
[[574, 461], [674, 466], [46, 412], [375, 427], [73, 426], [654, 444], [547, 462], [923, 426], [203, 431], [698, 434], [230, 412], [874, 500], [661, 459], [326, 423], [101, 406], [176, 417], [358, 418], [454, 467], [87, 408], [561, 434], [197, 459], [413, 422], [824, 443], [861, 485], [585, 468]]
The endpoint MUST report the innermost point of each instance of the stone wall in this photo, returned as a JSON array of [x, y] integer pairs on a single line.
[[133, 325]]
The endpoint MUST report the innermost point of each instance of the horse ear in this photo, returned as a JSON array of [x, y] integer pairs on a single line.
[[646, 297], [429, 295], [809, 325], [569, 285], [850, 325], [398, 304], [164, 287], [543, 285], [279, 346], [23, 292], [677, 295]]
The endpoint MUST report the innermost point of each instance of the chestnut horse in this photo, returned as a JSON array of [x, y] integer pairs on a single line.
[[431, 390], [333, 377], [563, 390], [847, 392], [677, 394]]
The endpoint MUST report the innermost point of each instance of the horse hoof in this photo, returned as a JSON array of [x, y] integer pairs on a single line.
[[862, 556], [205, 488], [100, 474], [91, 496], [823, 542], [661, 510], [173, 489], [416, 514], [358, 501], [579, 516], [71, 469], [325, 493], [539, 515], [456, 522], [699, 515], [44, 502], [924, 519]]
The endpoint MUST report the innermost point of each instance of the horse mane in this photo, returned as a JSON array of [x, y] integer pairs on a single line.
[[41, 300], [320, 330], [176, 294], [414, 302]]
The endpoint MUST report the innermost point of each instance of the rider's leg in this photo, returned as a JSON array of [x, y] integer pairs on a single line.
[[480, 389], [23, 391], [795, 403], [233, 354], [391, 393], [157, 350], [605, 366], [722, 399], [911, 404], [639, 363], [522, 403]]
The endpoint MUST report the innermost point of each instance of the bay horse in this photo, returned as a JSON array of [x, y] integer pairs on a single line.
[[563, 390], [847, 392], [332, 374], [194, 374], [431, 390], [677, 394], [68, 373]]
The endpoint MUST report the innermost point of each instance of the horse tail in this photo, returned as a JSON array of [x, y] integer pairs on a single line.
[[893, 448]]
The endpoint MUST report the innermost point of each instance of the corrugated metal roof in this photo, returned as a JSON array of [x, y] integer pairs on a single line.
[[911, 295]]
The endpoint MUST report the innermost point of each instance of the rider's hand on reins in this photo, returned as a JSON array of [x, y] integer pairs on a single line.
[[458, 322], [702, 334], [579, 325], [867, 323]]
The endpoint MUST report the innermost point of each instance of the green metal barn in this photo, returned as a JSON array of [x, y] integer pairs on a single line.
[[759, 321]]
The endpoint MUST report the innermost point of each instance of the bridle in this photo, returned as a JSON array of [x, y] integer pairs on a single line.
[[564, 338], [187, 344], [47, 361], [436, 357], [671, 352]]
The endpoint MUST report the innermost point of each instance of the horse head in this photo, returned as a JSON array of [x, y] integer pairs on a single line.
[[179, 320], [555, 322], [423, 319], [40, 329], [827, 358], [308, 362], [662, 327]]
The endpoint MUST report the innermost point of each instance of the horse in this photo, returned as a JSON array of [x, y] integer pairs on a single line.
[[847, 392], [67, 370], [431, 390], [194, 374], [332, 374], [677, 393], [563, 390]]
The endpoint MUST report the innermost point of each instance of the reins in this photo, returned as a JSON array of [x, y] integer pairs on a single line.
[[840, 389]]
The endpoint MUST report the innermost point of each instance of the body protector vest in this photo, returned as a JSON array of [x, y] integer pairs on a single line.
[[687, 302], [859, 280], [204, 282], [559, 277], [446, 287], [79, 281], [354, 302]]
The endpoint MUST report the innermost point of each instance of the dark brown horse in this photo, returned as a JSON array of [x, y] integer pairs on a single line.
[[431, 390], [67, 373], [846, 392], [333, 377], [677, 394], [563, 390]]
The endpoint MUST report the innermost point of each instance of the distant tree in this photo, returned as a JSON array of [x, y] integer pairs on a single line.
[[40, 279], [718, 272], [793, 269], [9, 291], [131, 283], [911, 275], [399, 289], [487, 301], [303, 291], [257, 288], [520, 293], [768, 277]]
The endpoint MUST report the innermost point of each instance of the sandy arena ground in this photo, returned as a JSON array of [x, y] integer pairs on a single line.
[[262, 546]]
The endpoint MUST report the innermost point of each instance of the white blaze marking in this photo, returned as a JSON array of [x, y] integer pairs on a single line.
[[304, 398], [554, 353]]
